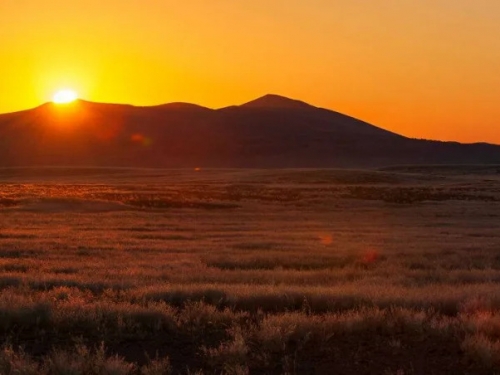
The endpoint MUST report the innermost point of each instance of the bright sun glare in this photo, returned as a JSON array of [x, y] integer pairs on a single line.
[[65, 96]]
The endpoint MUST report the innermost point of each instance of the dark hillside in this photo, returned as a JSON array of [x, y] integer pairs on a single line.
[[271, 131]]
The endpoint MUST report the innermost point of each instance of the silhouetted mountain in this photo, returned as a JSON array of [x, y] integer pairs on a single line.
[[182, 106], [276, 101], [271, 131]]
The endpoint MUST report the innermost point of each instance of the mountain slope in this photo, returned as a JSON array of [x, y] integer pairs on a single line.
[[276, 102], [271, 131]]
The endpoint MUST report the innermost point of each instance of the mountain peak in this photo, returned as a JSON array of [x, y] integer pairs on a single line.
[[276, 101], [182, 106]]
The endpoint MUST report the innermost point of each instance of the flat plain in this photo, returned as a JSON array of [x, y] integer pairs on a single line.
[[137, 271]]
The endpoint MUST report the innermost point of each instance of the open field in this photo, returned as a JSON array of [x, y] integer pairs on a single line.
[[118, 271]]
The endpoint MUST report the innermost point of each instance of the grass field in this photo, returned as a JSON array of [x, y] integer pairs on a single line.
[[117, 271]]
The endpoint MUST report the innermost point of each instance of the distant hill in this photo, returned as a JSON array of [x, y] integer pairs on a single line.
[[271, 131]]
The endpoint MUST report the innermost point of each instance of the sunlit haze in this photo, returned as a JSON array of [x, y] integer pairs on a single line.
[[422, 68], [64, 96]]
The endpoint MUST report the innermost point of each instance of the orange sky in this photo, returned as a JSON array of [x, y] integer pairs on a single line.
[[423, 68]]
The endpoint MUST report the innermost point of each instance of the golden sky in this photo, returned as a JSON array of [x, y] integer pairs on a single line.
[[423, 68]]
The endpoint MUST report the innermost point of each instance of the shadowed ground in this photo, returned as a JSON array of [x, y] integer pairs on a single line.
[[250, 271]]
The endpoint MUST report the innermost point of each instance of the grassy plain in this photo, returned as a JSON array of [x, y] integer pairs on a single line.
[[117, 271]]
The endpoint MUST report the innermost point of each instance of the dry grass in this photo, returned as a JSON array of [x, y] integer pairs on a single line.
[[261, 272]]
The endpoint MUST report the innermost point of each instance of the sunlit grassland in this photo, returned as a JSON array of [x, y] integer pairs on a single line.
[[249, 271]]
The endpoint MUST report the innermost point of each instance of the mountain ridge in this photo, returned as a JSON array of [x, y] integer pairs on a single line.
[[277, 102], [270, 131]]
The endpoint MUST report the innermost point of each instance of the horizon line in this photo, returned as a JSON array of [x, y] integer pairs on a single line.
[[291, 100], [84, 100]]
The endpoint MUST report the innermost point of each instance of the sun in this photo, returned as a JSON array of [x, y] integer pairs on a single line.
[[65, 96]]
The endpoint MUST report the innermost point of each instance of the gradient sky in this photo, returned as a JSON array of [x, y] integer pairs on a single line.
[[423, 68]]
